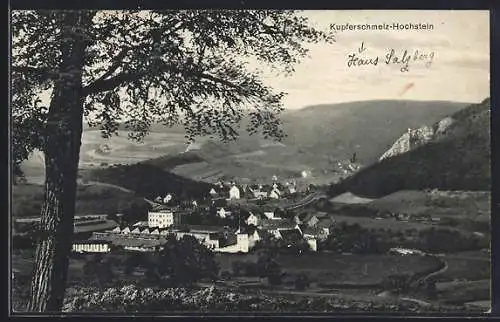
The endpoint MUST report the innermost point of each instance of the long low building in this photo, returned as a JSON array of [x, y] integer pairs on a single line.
[[91, 246], [216, 238]]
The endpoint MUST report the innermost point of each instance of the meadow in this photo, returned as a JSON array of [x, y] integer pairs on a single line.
[[335, 269]]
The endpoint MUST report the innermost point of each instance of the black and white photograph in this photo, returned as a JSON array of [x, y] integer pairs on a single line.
[[251, 161]]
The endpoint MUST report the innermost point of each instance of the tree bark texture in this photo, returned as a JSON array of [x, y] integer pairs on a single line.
[[62, 148]]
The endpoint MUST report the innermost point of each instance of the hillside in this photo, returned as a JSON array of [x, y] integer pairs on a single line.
[[27, 200], [148, 180], [369, 127], [319, 139], [457, 158]]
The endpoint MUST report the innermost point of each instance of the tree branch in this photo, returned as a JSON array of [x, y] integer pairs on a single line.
[[117, 62], [104, 85], [39, 71]]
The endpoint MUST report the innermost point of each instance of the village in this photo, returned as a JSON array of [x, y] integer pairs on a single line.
[[243, 214]]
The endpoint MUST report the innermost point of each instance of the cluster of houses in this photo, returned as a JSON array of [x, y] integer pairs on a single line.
[[233, 191], [151, 234], [166, 218], [424, 218]]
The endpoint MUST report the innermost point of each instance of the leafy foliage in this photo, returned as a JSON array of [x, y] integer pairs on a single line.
[[178, 263], [149, 181], [353, 239], [302, 282], [98, 269], [133, 299], [185, 261], [188, 67]]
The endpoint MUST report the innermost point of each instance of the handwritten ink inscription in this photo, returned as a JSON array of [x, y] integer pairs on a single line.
[[403, 58]]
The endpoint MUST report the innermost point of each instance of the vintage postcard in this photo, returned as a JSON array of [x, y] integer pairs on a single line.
[[250, 161]]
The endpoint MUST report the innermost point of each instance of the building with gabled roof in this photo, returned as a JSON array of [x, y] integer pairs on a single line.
[[316, 232], [140, 224], [234, 192], [91, 246], [291, 236], [219, 202], [252, 219], [274, 226], [275, 193], [312, 242], [164, 218]]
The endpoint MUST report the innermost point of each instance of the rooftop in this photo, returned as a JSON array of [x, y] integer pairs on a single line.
[[314, 231], [200, 228], [91, 241], [291, 235], [277, 224]]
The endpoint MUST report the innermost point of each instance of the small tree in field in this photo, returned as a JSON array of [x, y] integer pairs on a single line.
[[301, 282], [186, 67], [183, 262]]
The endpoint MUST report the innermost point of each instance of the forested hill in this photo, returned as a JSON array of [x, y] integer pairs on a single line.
[[457, 159]]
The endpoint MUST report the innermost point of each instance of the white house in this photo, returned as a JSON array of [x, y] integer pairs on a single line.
[[405, 251], [242, 245], [275, 193], [253, 238], [160, 219], [234, 192], [91, 246], [312, 242], [274, 227], [252, 220], [167, 198], [269, 214], [116, 230], [259, 194], [223, 213], [212, 192]]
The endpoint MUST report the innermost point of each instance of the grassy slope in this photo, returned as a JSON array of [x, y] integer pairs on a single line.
[[457, 160], [27, 200], [317, 136], [149, 179], [466, 205], [369, 127]]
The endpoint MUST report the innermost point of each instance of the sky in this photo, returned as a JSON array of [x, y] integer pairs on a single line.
[[458, 71], [458, 44]]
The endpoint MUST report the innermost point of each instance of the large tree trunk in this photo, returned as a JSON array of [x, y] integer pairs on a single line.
[[62, 149]]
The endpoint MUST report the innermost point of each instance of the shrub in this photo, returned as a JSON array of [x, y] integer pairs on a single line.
[[302, 282]]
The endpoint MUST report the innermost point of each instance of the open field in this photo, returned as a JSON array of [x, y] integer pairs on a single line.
[[27, 200], [459, 204], [467, 268], [333, 132], [465, 211], [333, 269], [463, 292]]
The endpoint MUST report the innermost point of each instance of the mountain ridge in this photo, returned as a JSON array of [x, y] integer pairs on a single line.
[[455, 158]]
